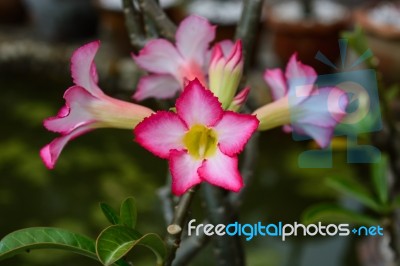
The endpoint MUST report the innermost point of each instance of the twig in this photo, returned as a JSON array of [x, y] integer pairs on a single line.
[[226, 249], [247, 28], [134, 25], [193, 244], [190, 247], [164, 194], [164, 25], [175, 229]]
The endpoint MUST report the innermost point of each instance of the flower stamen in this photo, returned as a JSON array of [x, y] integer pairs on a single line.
[[201, 142]]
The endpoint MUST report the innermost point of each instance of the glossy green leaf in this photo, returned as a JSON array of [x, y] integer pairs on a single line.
[[330, 213], [110, 213], [47, 238], [380, 179], [355, 190], [117, 240], [128, 213]]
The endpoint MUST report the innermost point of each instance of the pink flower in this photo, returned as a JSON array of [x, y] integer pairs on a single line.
[[225, 70], [201, 140], [87, 107], [171, 66], [309, 111]]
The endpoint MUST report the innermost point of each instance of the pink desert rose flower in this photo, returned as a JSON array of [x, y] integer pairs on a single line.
[[201, 140], [87, 107], [306, 110], [172, 65]]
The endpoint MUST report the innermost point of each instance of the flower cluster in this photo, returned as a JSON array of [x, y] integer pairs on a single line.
[[202, 138]]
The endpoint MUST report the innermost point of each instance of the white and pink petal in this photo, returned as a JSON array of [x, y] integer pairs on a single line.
[[234, 130], [159, 86], [160, 133], [159, 56], [222, 170], [52, 151], [183, 171], [276, 82], [75, 112], [193, 38], [197, 105], [299, 73], [83, 68]]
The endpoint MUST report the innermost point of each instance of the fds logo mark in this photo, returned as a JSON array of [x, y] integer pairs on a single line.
[[363, 110]]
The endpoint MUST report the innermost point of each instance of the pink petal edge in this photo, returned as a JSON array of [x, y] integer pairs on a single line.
[[234, 131], [295, 69], [193, 38], [183, 171], [83, 68], [222, 170], [276, 82], [197, 105], [159, 56], [74, 113], [160, 133], [52, 151]]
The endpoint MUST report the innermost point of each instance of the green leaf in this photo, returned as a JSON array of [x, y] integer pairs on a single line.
[[330, 213], [392, 92], [117, 240], [358, 42], [396, 201], [355, 190], [47, 238], [380, 179], [128, 213], [110, 213]]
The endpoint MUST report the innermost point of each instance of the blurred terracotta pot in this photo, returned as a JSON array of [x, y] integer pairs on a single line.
[[292, 31], [383, 38]]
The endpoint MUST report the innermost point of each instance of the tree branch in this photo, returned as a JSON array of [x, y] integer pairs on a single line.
[[226, 249], [164, 25], [247, 28], [175, 229], [193, 244], [134, 25], [190, 247]]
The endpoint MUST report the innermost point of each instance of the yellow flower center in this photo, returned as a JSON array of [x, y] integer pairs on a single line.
[[201, 142]]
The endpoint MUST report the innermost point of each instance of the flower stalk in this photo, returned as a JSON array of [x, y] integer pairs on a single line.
[[175, 229]]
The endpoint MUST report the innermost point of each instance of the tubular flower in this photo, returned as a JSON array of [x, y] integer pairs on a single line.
[[299, 105], [225, 70], [87, 107], [171, 66], [201, 140]]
